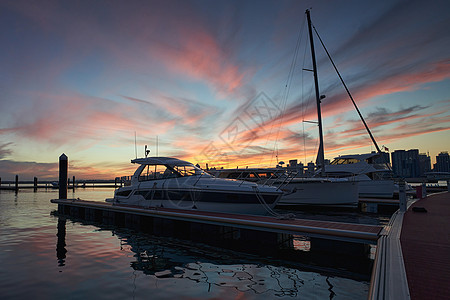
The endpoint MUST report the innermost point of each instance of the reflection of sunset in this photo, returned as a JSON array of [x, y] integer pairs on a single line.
[[188, 76], [301, 243]]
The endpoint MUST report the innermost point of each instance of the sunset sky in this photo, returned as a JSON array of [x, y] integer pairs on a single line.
[[217, 82]]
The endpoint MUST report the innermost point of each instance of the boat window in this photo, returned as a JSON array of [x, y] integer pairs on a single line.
[[267, 175], [344, 161], [234, 175], [184, 171], [154, 172], [240, 175]]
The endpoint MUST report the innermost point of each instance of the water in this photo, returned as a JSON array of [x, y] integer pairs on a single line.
[[46, 256]]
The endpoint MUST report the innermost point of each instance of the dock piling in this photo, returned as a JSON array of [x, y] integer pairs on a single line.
[[424, 190], [35, 183], [17, 183], [402, 196], [63, 168]]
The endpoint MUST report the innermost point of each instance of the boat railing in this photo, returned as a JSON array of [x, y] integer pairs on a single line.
[[198, 179], [288, 177]]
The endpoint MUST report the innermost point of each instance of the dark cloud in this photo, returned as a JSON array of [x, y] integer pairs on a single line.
[[4, 150]]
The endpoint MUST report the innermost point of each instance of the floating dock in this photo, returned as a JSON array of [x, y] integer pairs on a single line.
[[103, 211]]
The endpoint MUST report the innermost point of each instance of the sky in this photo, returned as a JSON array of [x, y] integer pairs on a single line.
[[217, 82]]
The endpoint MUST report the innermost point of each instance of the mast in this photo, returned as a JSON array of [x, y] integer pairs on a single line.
[[320, 155]]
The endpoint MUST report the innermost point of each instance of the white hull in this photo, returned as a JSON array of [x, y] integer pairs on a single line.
[[229, 200], [376, 188], [253, 209], [200, 193], [326, 193]]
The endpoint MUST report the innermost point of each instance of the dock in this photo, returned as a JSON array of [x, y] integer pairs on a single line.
[[425, 241], [99, 211], [412, 259]]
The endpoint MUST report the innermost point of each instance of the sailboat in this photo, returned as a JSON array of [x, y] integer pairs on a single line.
[[317, 191], [372, 171]]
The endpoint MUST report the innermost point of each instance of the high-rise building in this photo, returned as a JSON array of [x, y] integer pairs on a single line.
[[442, 162], [424, 163], [406, 163]]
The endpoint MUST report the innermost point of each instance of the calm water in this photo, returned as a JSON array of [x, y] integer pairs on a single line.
[[43, 256]]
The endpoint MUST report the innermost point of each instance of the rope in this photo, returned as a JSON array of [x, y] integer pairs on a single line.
[[270, 210], [351, 98], [287, 88]]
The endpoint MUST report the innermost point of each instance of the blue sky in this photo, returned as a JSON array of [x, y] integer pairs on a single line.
[[211, 80]]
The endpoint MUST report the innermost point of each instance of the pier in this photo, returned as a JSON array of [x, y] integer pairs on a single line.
[[116, 214], [412, 258], [46, 184]]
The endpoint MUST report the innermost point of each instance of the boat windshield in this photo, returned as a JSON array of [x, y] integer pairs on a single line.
[[344, 161], [156, 172], [184, 171]]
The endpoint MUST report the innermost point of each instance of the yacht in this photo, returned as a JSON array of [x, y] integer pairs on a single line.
[[374, 177], [298, 190], [172, 183]]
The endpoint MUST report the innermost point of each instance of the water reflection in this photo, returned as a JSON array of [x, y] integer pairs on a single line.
[[210, 267], [211, 270], [162, 262], [301, 243], [61, 243]]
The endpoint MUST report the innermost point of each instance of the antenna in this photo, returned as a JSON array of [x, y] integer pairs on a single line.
[[135, 147]]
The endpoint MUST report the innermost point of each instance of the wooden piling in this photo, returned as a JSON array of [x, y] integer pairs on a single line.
[[63, 168], [17, 183]]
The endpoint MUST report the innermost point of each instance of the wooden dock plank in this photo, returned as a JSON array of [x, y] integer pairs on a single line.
[[425, 241]]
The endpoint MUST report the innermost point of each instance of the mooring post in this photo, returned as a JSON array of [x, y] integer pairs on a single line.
[[17, 183], [73, 182], [402, 196], [63, 168], [35, 183], [0, 181]]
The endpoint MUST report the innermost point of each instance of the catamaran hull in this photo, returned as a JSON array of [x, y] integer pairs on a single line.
[[376, 188], [339, 193]]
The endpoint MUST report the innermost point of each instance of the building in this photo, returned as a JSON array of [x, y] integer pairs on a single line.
[[382, 159], [406, 164], [295, 167], [442, 162], [424, 163]]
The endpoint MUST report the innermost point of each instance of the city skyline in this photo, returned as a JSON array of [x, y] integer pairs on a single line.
[[215, 82]]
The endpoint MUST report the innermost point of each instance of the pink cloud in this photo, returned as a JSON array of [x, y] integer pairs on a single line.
[[201, 57]]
